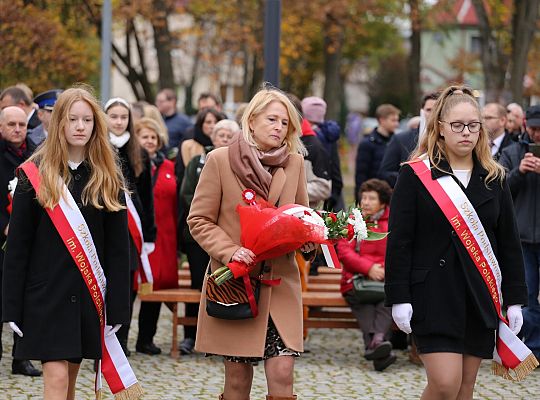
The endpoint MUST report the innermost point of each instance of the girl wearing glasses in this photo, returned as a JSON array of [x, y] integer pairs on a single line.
[[433, 282]]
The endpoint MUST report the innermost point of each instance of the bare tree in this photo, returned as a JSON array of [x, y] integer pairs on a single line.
[[494, 60], [163, 42], [333, 51], [524, 24], [414, 56]]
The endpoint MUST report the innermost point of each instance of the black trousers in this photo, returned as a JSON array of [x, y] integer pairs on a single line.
[[198, 262], [148, 319], [123, 332]]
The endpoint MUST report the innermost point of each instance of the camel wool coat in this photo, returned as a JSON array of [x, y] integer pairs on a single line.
[[215, 225]]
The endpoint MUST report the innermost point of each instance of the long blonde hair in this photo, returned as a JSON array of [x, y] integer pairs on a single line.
[[258, 104], [433, 144], [106, 182]]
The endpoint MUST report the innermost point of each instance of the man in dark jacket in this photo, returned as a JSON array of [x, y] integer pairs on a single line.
[[523, 165], [494, 116], [372, 148], [177, 124], [15, 148], [402, 144]]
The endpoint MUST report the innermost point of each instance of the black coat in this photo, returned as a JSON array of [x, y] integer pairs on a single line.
[[507, 141], [142, 196], [398, 151], [368, 158], [427, 266], [9, 161], [525, 191], [43, 290]]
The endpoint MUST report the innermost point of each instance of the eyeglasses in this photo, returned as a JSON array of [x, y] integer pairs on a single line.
[[458, 127]]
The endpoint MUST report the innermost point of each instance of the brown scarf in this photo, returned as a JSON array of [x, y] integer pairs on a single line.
[[248, 164]]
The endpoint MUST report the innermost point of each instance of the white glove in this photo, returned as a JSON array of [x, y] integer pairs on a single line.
[[111, 330], [402, 314], [515, 318], [148, 247], [15, 329]]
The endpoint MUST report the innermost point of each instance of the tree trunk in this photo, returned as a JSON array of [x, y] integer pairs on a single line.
[[494, 61], [414, 56], [333, 44], [523, 28], [163, 43]]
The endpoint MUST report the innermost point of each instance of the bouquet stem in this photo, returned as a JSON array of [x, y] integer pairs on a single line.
[[222, 275]]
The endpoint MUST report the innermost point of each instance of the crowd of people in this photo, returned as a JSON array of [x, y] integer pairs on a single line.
[[153, 184]]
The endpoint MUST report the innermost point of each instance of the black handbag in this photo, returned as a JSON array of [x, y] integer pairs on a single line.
[[367, 291], [230, 300]]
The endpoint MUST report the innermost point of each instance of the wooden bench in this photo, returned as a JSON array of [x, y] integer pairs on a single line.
[[171, 298], [328, 309]]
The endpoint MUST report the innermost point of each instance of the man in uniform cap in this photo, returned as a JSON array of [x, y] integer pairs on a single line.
[[45, 102]]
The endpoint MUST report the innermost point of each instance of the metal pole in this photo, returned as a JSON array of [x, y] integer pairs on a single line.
[[272, 33], [106, 27]]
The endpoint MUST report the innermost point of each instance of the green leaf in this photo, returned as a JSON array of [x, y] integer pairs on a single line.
[[376, 235]]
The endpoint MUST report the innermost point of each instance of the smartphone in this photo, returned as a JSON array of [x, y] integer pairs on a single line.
[[535, 149]]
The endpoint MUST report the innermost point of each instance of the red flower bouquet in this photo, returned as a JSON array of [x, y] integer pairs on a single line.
[[271, 232]]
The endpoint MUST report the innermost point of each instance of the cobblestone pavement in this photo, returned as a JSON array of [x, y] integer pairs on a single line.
[[333, 369]]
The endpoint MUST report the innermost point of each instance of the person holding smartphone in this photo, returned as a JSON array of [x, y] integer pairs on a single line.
[[522, 160]]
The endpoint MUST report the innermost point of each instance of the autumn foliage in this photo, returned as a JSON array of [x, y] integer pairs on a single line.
[[39, 50]]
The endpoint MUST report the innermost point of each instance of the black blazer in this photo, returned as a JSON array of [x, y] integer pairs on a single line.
[[43, 290], [143, 198], [427, 265]]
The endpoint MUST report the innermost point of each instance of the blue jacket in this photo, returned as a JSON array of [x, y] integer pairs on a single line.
[[368, 158], [177, 125]]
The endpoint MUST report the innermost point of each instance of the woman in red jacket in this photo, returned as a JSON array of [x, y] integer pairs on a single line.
[[367, 258], [163, 259]]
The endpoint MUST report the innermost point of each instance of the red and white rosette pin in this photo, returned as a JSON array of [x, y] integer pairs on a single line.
[[248, 195]]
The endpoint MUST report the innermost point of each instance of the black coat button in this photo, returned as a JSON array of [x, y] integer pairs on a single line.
[[442, 262], [454, 233], [79, 205], [77, 177], [73, 299]]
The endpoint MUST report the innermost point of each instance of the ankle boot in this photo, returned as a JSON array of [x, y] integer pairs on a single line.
[[293, 397]]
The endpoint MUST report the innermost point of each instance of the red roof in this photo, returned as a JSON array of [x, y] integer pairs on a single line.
[[459, 12]]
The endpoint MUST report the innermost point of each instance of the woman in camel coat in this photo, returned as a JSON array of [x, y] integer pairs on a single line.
[[266, 158]]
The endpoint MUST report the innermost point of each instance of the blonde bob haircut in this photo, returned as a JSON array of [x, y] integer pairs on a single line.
[[258, 104], [153, 125], [106, 182], [433, 144]]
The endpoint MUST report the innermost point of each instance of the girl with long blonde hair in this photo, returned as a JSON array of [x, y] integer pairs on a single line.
[[46, 299], [433, 284]]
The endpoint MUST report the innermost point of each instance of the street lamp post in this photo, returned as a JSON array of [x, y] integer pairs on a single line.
[[106, 26], [272, 31]]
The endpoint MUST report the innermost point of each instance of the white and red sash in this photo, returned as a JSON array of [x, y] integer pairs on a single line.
[[73, 229], [135, 230], [328, 250], [511, 358]]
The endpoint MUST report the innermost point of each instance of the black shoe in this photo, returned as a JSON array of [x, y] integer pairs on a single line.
[[148, 348], [24, 367], [399, 340], [382, 350], [125, 349], [187, 346], [381, 364]]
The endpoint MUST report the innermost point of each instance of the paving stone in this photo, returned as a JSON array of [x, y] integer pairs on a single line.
[[333, 369]]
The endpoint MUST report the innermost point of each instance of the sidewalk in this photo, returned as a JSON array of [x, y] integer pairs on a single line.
[[333, 369]]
